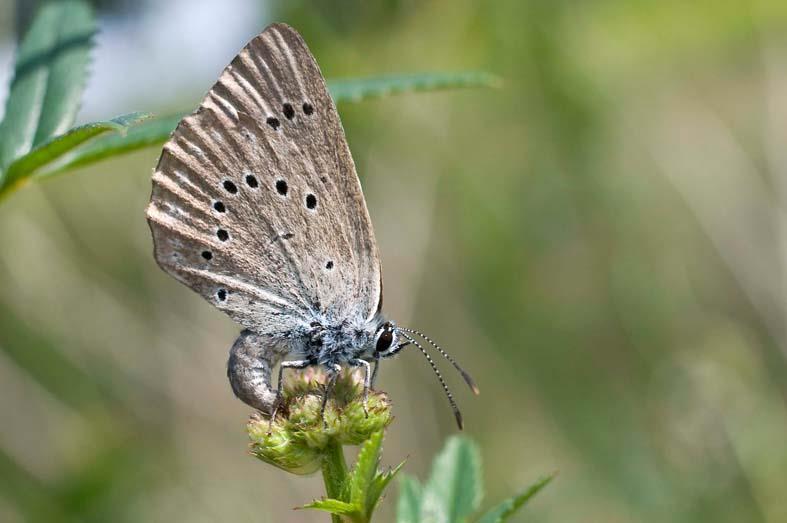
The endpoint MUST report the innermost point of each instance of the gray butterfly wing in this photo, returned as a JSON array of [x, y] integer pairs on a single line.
[[256, 204]]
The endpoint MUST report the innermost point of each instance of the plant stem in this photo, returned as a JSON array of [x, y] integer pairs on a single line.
[[334, 473]]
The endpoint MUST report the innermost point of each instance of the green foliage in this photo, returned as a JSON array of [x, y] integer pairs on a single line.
[[454, 491], [49, 76], [506, 508], [47, 154], [408, 508], [378, 484], [358, 89], [152, 131], [336, 507], [365, 469], [361, 488]]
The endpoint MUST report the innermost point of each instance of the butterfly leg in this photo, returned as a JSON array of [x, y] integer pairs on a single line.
[[295, 364], [333, 373], [377, 361], [374, 372], [367, 379]]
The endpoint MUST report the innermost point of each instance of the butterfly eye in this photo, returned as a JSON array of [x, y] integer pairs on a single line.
[[385, 338]]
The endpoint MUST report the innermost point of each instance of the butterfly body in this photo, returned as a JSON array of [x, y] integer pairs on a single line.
[[256, 205], [338, 344]]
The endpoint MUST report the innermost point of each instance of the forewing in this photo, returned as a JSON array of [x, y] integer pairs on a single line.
[[256, 204]]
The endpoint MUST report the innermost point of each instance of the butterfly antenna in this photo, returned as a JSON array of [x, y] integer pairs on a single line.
[[457, 414], [468, 379]]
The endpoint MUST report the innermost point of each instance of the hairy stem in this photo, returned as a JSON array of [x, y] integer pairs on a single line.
[[334, 473]]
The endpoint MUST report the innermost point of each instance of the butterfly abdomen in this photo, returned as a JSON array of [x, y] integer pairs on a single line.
[[252, 358]]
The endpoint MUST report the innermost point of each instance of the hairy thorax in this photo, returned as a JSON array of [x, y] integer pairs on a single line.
[[337, 343]]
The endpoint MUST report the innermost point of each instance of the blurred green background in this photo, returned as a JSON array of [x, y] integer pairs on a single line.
[[601, 241]]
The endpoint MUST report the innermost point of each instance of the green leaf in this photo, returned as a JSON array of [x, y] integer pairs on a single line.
[[365, 469], [365, 485], [408, 508], [357, 89], [505, 509], [455, 489], [335, 506], [51, 150], [157, 130], [152, 131], [378, 485], [49, 77]]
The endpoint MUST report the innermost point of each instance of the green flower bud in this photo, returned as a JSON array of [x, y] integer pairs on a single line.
[[297, 440]]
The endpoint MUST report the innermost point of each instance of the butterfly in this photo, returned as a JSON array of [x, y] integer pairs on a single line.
[[256, 206]]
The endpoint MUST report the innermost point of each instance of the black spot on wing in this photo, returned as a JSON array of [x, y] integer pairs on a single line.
[[230, 187]]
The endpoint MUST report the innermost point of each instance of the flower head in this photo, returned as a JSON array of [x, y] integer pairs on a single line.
[[296, 441]]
